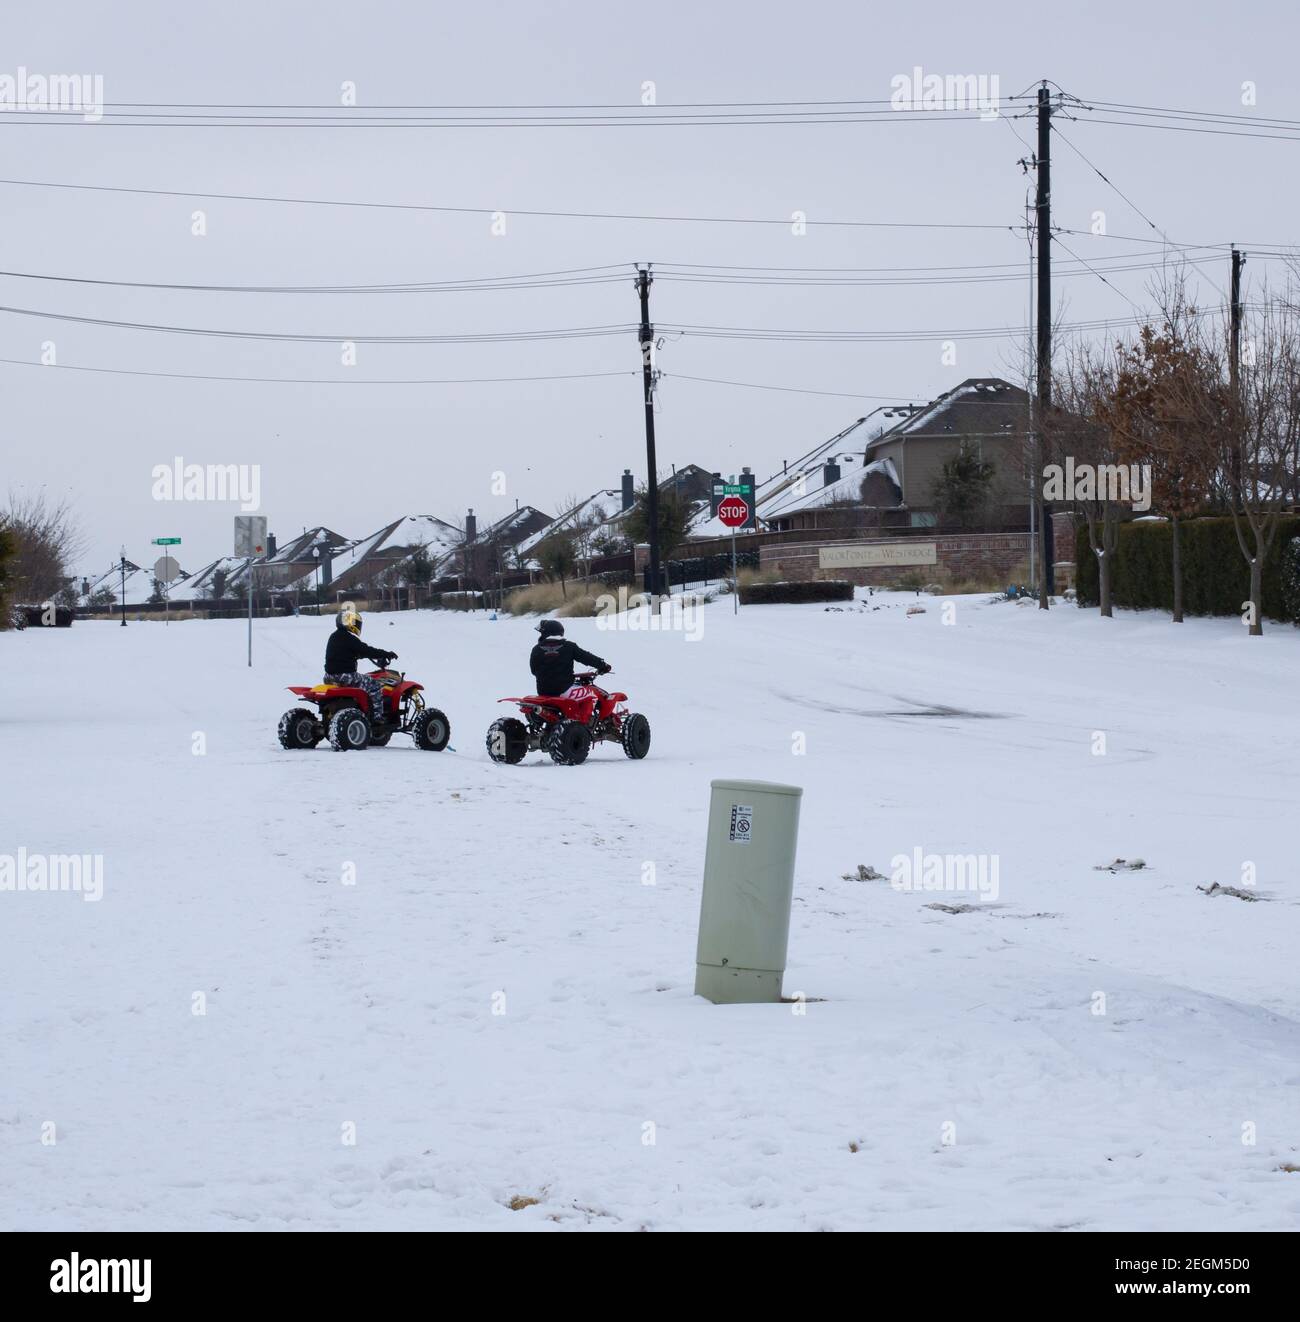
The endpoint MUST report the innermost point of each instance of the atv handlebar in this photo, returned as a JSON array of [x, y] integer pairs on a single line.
[[587, 677]]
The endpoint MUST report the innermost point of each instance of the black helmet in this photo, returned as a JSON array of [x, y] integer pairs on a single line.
[[551, 629]]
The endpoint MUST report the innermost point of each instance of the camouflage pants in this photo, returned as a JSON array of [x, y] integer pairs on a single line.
[[373, 690]]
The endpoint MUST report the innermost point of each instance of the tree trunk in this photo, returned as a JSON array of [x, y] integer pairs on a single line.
[[1256, 593], [1044, 601], [1103, 584], [1178, 568]]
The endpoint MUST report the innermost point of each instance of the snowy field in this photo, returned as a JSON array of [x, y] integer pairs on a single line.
[[956, 1076]]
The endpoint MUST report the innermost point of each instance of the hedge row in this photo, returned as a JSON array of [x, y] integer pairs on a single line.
[[770, 594], [1216, 578]]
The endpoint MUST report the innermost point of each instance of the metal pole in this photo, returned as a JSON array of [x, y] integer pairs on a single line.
[[122, 567], [250, 610], [735, 577]]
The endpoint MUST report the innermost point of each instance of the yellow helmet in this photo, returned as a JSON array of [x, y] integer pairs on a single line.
[[350, 619]]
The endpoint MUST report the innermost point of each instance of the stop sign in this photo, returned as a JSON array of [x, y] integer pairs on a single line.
[[734, 512]]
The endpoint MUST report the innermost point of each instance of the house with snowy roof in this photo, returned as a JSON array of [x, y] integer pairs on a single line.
[[985, 415], [296, 562], [589, 519], [358, 568]]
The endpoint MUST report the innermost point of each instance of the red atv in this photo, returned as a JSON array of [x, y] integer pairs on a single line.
[[567, 727], [343, 716]]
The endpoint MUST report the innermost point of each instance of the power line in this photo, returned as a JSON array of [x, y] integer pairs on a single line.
[[1185, 128], [354, 118], [1213, 116], [317, 381], [1100, 276], [1134, 206], [679, 272], [538, 280], [464, 337], [783, 221], [795, 390]]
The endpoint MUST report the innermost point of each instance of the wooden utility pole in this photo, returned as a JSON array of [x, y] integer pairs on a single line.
[[1043, 214], [646, 339]]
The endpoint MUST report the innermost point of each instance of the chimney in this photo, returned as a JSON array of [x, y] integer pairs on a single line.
[[629, 492], [270, 545], [830, 472], [471, 526], [326, 566]]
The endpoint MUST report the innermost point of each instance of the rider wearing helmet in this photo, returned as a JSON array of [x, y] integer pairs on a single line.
[[345, 649], [553, 657]]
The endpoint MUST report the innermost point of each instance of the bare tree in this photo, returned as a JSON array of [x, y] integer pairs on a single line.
[[46, 543], [1262, 435], [1077, 434]]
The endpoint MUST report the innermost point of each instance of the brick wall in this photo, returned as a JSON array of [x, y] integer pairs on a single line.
[[960, 555]]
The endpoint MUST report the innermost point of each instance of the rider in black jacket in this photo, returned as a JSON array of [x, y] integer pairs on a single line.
[[552, 660], [342, 653]]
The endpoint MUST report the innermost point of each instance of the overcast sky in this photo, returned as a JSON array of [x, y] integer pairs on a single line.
[[354, 457]]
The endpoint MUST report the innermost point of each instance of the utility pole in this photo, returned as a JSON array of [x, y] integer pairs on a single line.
[[1043, 210], [122, 567], [250, 610], [646, 339], [1234, 367]]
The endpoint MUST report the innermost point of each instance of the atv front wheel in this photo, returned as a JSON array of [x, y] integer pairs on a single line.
[[636, 736], [299, 728], [349, 730], [507, 740], [431, 730], [569, 743]]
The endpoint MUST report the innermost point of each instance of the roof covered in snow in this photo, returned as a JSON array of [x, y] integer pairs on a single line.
[[847, 488], [395, 540], [596, 509], [966, 409], [801, 484]]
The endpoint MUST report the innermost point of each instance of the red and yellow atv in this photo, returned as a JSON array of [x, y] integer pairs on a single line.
[[343, 716], [567, 727]]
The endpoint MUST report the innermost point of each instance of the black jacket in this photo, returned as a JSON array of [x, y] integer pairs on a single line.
[[552, 663], [345, 649]]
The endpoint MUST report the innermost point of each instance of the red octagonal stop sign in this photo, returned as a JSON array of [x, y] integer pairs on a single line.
[[734, 512]]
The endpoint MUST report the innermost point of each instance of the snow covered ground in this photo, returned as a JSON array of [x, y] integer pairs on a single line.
[[956, 1075]]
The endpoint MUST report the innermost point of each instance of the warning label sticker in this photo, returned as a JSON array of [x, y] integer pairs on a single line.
[[742, 824]]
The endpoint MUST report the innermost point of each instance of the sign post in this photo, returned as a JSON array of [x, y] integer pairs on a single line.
[[165, 570], [733, 511], [250, 542]]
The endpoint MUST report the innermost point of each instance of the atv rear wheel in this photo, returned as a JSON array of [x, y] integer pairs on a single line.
[[569, 743], [431, 730], [349, 730], [507, 740], [636, 735], [299, 728]]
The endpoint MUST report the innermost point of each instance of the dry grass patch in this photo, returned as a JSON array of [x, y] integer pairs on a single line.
[[572, 600]]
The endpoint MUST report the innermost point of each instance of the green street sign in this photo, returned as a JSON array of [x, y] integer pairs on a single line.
[[732, 489], [166, 541]]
